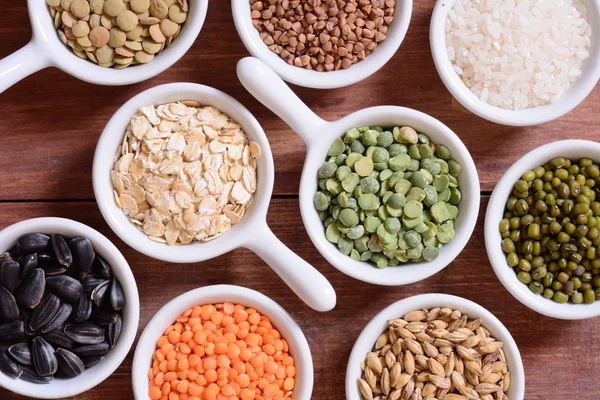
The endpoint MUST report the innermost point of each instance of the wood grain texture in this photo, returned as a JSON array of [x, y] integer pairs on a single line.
[[50, 122]]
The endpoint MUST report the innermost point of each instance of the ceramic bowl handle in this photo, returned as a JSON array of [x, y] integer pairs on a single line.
[[304, 280], [20, 64], [268, 88]]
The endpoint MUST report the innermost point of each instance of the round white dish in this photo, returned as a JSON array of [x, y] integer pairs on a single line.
[[323, 80], [319, 135], [61, 388], [366, 340], [252, 232], [530, 116], [288, 328], [46, 50], [572, 149]]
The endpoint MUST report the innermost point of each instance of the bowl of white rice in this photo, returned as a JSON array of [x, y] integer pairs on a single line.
[[517, 62]]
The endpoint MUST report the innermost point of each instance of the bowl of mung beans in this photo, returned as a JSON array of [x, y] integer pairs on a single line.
[[368, 227], [272, 346], [317, 44], [541, 229], [435, 345], [50, 47]]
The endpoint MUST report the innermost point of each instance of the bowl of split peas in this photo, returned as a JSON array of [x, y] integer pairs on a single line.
[[222, 342]]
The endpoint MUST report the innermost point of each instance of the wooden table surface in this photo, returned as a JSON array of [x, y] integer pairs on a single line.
[[50, 122]]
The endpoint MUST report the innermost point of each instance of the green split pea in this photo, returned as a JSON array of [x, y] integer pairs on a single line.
[[388, 196]]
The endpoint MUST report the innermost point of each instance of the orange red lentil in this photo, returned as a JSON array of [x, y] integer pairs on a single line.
[[221, 352]]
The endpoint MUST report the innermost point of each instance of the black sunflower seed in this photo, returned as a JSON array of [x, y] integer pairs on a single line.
[[83, 254], [85, 333], [12, 332], [28, 263], [69, 364], [89, 362], [82, 309], [101, 294], [102, 317], [45, 312], [9, 366], [10, 275], [92, 350], [9, 311], [43, 357], [58, 339], [61, 250], [30, 375], [31, 290], [113, 331], [54, 269], [64, 287], [32, 243], [117, 296], [63, 313], [20, 353], [101, 269], [90, 283]]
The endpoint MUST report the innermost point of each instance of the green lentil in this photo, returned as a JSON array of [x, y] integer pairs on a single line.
[[550, 230], [389, 196]]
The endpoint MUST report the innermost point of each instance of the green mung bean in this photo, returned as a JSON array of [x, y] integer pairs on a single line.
[[389, 196], [550, 230]]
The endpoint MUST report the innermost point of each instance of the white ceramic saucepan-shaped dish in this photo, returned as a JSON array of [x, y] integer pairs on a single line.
[[46, 50], [252, 232], [318, 135]]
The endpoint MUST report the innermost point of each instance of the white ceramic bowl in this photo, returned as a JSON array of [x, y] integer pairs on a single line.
[[142, 361], [378, 325], [315, 79], [46, 50], [572, 149], [61, 388], [252, 232], [319, 135], [530, 116]]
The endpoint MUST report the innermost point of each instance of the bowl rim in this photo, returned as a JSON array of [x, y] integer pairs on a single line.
[[404, 273], [218, 294], [365, 341], [323, 80], [578, 91], [505, 274], [59, 55], [131, 312], [112, 136]]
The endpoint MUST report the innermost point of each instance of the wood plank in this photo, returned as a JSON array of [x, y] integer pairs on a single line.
[[561, 358], [51, 121]]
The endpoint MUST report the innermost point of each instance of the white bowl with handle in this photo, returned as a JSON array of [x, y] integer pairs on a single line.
[[46, 50], [281, 320], [578, 91], [61, 388], [252, 232], [367, 338], [327, 79], [318, 135]]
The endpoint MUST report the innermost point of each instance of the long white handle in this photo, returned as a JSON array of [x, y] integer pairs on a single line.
[[20, 64], [268, 88], [304, 280]]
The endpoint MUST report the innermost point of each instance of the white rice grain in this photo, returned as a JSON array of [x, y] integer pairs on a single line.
[[517, 54]]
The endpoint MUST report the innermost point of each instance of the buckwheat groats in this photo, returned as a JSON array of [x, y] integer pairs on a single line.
[[118, 33], [322, 35], [184, 172]]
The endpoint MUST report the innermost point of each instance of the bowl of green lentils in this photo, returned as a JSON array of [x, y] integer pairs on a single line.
[[542, 229]]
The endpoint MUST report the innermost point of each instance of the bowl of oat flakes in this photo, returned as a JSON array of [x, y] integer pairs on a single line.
[[184, 173]]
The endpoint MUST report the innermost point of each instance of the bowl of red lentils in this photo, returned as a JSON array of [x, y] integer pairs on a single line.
[[222, 342], [323, 44]]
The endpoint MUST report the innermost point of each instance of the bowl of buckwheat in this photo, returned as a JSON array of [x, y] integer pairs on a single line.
[[316, 44], [435, 346]]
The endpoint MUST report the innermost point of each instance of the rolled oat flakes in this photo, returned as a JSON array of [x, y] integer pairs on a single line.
[[184, 172]]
